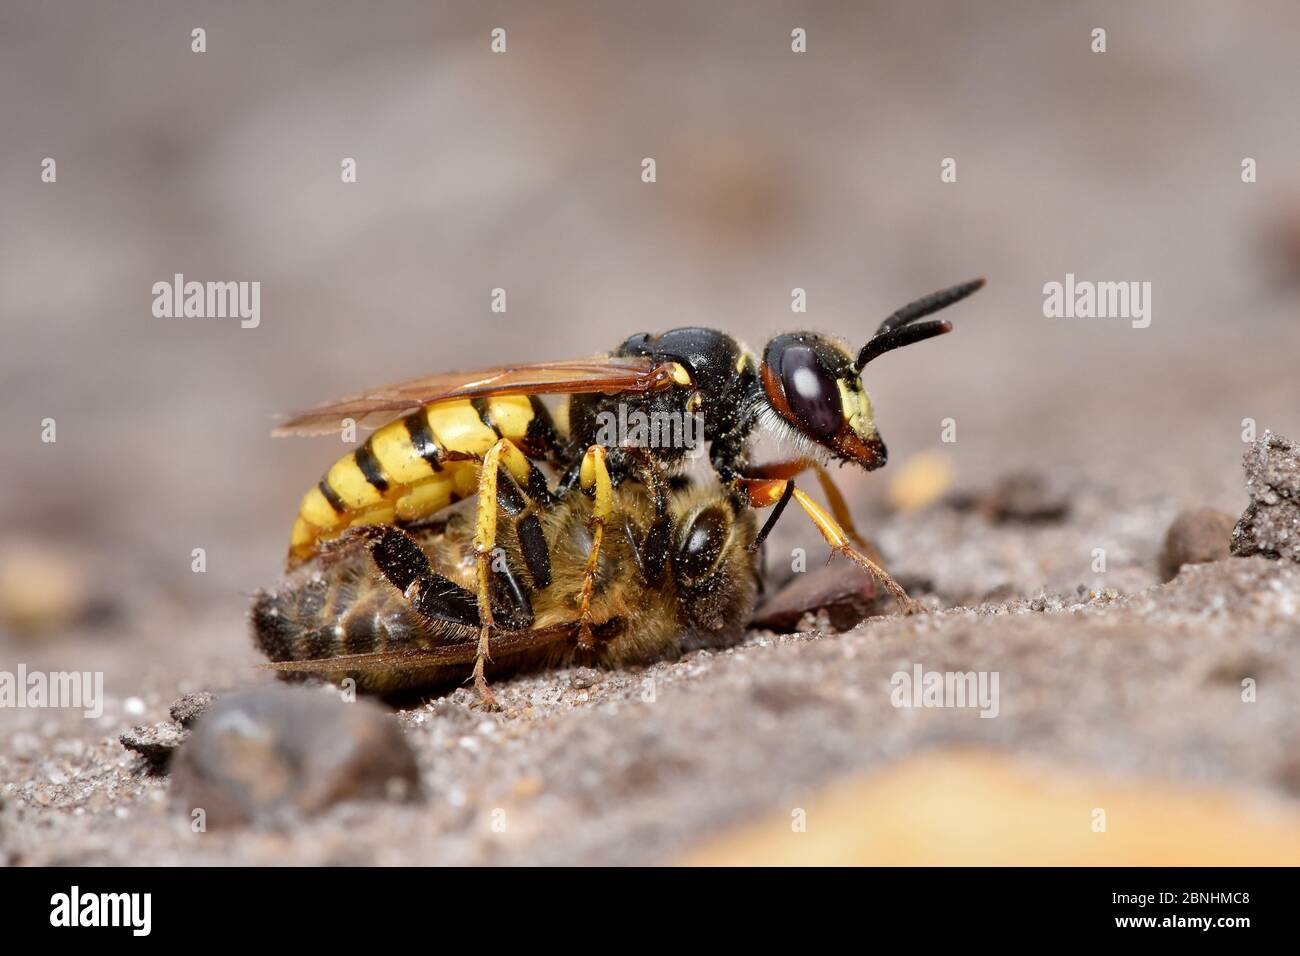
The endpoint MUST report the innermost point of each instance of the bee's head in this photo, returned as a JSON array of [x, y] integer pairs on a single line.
[[712, 565], [814, 385]]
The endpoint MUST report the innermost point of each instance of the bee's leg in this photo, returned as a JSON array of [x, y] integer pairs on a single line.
[[658, 539], [521, 508], [504, 460], [834, 497], [594, 480], [511, 596], [766, 492], [406, 566], [651, 553]]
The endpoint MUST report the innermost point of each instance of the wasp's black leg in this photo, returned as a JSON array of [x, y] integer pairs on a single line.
[[406, 567], [774, 517], [766, 492], [834, 497]]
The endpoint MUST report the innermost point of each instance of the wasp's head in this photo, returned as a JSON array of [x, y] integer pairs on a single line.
[[814, 385], [811, 384]]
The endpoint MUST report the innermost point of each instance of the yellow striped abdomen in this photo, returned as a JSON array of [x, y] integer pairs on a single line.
[[410, 468]]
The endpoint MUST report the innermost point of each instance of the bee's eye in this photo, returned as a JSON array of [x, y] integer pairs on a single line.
[[700, 544], [811, 391]]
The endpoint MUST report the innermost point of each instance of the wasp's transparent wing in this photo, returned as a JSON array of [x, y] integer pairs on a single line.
[[383, 404]]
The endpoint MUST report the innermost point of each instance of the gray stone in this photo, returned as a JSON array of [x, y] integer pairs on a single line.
[[277, 754]]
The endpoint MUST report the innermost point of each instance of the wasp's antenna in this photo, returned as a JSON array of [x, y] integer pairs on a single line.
[[898, 330], [897, 338], [929, 304]]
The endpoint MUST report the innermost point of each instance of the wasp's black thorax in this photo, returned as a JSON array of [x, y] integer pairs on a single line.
[[724, 382]]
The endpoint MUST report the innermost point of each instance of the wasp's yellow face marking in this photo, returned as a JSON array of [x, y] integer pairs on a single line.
[[857, 409]]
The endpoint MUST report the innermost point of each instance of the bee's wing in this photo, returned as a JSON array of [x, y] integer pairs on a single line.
[[390, 401], [387, 662]]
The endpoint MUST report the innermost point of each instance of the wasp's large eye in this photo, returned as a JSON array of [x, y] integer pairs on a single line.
[[700, 546], [811, 391]]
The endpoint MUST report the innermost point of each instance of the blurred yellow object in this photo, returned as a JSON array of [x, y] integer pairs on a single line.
[[40, 589], [922, 479], [964, 809]]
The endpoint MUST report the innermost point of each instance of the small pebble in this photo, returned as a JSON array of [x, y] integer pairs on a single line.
[[274, 755], [1196, 537]]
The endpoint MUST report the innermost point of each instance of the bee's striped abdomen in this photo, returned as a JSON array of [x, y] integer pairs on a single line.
[[350, 614], [413, 467]]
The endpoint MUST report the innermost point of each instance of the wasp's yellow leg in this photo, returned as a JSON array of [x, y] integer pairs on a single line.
[[503, 452], [765, 492], [840, 509], [834, 497], [593, 479]]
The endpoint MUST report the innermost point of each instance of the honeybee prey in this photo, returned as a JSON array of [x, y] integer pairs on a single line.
[[396, 609]]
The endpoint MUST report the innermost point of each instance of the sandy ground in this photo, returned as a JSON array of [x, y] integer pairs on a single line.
[[776, 171], [639, 765]]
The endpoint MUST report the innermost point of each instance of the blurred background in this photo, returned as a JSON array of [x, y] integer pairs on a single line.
[[775, 170]]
